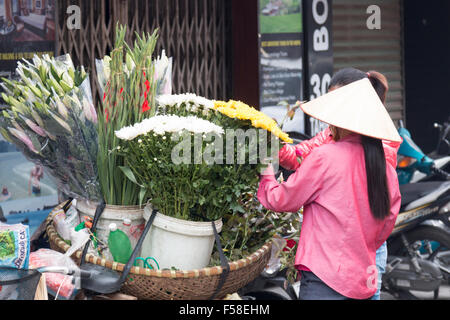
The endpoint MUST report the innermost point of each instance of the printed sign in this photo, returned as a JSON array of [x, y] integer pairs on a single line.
[[319, 53], [281, 60]]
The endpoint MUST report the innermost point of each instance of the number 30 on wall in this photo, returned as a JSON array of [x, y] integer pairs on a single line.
[[319, 85]]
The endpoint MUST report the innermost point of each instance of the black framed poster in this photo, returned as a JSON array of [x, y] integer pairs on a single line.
[[281, 60], [27, 27]]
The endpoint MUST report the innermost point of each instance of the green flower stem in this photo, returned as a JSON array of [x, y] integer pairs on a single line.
[[122, 106]]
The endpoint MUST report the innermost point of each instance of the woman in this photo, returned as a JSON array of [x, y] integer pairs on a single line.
[[350, 196], [289, 155]]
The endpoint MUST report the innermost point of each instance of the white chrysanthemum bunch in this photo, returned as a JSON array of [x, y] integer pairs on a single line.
[[172, 159], [163, 124]]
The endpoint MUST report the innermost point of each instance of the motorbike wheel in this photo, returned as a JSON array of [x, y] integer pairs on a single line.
[[435, 246]]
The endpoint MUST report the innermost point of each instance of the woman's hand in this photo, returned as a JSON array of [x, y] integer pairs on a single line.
[[268, 168]]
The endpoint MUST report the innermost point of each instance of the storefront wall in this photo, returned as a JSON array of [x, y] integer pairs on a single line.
[[356, 44], [195, 33]]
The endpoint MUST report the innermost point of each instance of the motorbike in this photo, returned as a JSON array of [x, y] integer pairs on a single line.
[[419, 246], [413, 165], [421, 235], [443, 145]]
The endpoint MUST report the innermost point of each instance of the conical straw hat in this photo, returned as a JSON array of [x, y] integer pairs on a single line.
[[355, 107]]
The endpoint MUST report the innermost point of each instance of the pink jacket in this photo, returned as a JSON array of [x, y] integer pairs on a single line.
[[339, 235], [288, 154]]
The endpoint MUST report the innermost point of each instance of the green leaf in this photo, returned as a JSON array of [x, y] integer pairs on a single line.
[[129, 174], [142, 195], [65, 86]]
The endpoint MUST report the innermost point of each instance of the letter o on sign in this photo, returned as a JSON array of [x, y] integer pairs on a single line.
[[320, 19]]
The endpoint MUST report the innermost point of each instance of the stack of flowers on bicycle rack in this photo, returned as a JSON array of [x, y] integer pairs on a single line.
[[188, 166], [189, 157], [129, 79], [52, 119]]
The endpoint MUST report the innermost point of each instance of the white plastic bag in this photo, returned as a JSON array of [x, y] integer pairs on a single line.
[[61, 226], [72, 216], [274, 263], [78, 240]]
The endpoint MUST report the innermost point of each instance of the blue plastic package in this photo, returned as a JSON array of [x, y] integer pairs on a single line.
[[14, 246]]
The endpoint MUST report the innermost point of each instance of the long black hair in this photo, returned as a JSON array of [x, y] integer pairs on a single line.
[[377, 187]]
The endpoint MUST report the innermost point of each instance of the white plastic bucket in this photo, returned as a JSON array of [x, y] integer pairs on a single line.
[[185, 245], [113, 214]]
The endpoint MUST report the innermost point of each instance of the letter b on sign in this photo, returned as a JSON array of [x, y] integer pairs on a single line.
[[321, 37]]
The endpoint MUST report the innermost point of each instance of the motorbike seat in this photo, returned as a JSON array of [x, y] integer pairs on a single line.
[[413, 191]]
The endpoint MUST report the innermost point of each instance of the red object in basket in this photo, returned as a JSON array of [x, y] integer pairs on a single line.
[[54, 281], [290, 244]]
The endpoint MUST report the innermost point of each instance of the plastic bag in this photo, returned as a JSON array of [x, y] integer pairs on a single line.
[[274, 263], [78, 240], [58, 285], [61, 225], [163, 74], [14, 246], [72, 216]]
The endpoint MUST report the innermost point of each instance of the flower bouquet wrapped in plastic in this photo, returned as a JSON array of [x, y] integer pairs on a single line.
[[162, 72], [52, 120]]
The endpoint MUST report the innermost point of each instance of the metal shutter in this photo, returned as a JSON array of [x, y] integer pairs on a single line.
[[355, 45]]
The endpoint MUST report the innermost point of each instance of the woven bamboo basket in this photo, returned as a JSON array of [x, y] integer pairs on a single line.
[[148, 284]]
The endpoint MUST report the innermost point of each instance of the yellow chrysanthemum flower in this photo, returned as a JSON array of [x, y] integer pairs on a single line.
[[242, 111]]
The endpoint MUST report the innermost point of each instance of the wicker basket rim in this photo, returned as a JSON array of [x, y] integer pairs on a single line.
[[209, 271], [93, 205]]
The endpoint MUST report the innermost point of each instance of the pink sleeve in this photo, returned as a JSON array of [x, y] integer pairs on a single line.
[[288, 158], [390, 152], [305, 148], [288, 154], [301, 188]]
